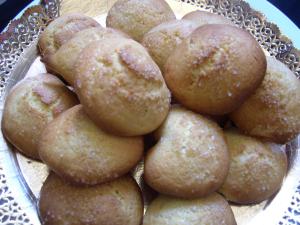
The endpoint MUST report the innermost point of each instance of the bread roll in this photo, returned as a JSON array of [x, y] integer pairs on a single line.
[[164, 38], [137, 17], [212, 210], [30, 106], [273, 111], [256, 169], [115, 203], [121, 88], [62, 29], [202, 18], [76, 149], [190, 159], [64, 59], [215, 69]]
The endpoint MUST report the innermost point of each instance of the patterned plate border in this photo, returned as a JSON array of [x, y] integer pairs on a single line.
[[15, 208], [23, 33]]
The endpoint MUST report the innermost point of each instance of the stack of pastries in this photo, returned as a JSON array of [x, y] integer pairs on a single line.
[[111, 91]]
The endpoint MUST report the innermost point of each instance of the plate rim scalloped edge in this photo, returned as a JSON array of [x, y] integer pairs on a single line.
[[34, 19]]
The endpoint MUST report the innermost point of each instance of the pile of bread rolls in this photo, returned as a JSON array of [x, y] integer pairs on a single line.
[[112, 89]]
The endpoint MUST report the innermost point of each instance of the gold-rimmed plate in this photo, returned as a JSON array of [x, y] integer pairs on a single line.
[[21, 178]]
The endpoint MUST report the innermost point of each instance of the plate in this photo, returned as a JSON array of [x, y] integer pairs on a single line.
[[21, 178]]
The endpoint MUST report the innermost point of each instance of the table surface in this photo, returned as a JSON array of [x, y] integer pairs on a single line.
[[10, 8]]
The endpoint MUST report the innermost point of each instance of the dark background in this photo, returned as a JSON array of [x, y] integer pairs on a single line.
[[10, 8]]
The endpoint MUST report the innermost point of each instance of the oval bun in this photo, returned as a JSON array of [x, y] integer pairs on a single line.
[[212, 210], [164, 38], [64, 59], [273, 111], [136, 17], [30, 106], [114, 203], [190, 159], [256, 169], [215, 69], [76, 149], [202, 18], [62, 29], [121, 88]]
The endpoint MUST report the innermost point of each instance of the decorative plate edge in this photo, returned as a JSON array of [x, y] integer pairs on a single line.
[[19, 35]]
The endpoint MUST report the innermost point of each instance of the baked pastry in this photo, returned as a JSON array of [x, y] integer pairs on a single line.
[[81, 152], [256, 169], [121, 88], [273, 111], [29, 106], [137, 17], [215, 69], [115, 203], [64, 59], [203, 18], [212, 210], [163, 39], [190, 159], [62, 29]]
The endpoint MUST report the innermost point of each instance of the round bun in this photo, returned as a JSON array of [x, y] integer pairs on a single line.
[[121, 88], [202, 18], [163, 39], [115, 203], [78, 150], [62, 29], [213, 210], [278, 102], [190, 159], [215, 69], [256, 169], [29, 106], [136, 17], [64, 59]]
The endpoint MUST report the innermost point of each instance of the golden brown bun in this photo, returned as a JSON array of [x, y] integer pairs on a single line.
[[215, 69], [163, 39], [115, 203], [203, 18], [256, 169], [191, 158], [64, 59], [78, 150], [273, 111], [29, 106], [212, 210], [137, 17], [121, 88], [62, 29]]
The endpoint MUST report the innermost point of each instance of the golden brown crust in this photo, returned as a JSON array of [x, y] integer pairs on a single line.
[[62, 29], [256, 169], [121, 88], [76, 149], [30, 105], [64, 59], [137, 17], [115, 203], [163, 39], [212, 210], [215, 69], [202, 18], [273, 111], [190, 159]]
